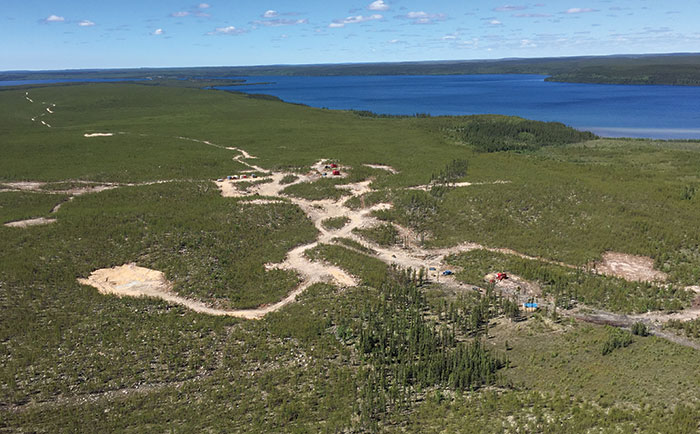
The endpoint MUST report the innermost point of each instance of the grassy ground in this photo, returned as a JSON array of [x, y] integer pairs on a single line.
[[565, 359], [335, 222], [565, 284], [22, 205], [75, 360]]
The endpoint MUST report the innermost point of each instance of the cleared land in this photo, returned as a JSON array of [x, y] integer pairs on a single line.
[[322, 355]]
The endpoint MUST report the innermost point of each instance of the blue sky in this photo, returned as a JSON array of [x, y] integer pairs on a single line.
[[59, 34]]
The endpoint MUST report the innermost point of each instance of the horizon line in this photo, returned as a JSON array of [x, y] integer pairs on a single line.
[[298, 65]]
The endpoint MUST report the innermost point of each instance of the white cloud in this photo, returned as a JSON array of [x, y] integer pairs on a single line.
[[354, 19], [86, 23], [280, 22], [449, 38], [532, 15], [421, 17], [509, 8], [158, 32], [378, 5], [196, 11], [54, 19], [228, 30], [495, 23], [273, 19], [580, 10], [419, 14]]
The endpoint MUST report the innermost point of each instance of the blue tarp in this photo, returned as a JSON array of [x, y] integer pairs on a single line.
[[533, 305]]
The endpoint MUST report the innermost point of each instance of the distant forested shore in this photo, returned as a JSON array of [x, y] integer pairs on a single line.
[[663, 69]]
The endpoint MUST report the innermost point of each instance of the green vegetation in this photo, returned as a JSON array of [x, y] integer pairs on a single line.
[[369, 199], [690, 328], [564, 359], [681, 70], [209, 248], [21, 205], [395, 354], [384, 234], [335, 222], [347, 242], [688, 192], [674, 69], [492, 133], [471, 313], [406, 351], [246, 185], [371, 271], [454, 171], [571, 204], [640, 329], [288, 179], [617, 338], [505, 411], [317, 190], [566, 285]]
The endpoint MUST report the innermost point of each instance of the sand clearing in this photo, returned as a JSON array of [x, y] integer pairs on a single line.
[[264, 201], [229, 189], [320, 168], [134, 281], [30, 222], [131, 280], [515, 284], [383, 167], [25, 185], [629, 267], [98, 134], [428, 187]]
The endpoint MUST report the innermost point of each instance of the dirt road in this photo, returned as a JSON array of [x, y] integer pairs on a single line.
[[410, 255]]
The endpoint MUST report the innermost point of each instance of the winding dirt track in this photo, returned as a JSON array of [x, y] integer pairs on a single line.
[[37, 187], [310, 272]]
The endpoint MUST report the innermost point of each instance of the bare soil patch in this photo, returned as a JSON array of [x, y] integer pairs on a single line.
[[133, 281], [383, 167], [427, 187], [24, 185], [264, 201], [130, 280], [30, 222], [514, 284], [629, 267]]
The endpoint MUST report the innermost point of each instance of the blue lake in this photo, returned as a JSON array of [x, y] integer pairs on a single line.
[[666, 112]]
